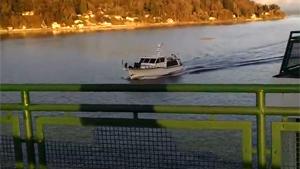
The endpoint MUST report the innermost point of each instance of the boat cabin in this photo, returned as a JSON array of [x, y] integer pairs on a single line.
[[157, 62], [290, 66]]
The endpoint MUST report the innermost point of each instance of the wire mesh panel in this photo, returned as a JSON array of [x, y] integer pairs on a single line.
[[140, 147], [290, 150], [7, 153], [10, 152]]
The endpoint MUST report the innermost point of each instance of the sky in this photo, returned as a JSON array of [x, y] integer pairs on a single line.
[[286, 5]]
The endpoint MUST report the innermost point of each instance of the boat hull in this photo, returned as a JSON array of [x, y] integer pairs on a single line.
[[153, 73]]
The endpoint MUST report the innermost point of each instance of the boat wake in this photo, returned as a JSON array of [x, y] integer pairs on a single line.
[[251, 56], [204, 67]]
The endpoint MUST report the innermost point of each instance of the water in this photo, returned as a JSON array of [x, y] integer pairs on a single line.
[[243, 53]]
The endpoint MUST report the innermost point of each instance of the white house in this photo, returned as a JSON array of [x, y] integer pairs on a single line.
[[106, 23], [86, 16], [80, 26], [28, 13], [131, 19], [212, 18], [170, 20], [55, 25], [118, 17], [253, 16], [78, 21]]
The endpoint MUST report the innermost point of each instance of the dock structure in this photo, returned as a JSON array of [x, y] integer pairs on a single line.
[[140, 140], [290, 66]]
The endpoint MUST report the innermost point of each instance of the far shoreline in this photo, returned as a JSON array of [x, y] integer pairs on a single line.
[[23, 33]]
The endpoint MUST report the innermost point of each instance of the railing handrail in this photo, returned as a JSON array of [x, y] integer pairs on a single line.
[[149, 108], [260, 110], [213, 88]]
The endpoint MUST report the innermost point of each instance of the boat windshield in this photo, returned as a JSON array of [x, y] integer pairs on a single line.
[[147, 60], [152, 60]]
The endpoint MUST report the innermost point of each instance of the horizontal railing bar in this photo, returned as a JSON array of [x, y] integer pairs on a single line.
[[242, 88], [11, 107], [242, 110], [152, 123], [286, 111], [185, 109]]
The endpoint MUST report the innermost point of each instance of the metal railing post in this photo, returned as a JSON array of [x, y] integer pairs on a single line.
[[28, 129], [261, 135]]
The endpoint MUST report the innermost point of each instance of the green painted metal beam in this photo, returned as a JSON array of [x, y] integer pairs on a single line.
[[11, 107], [214, 88], [261, 130], [183, 109], [243, 110], [282, 111], [28, 129]]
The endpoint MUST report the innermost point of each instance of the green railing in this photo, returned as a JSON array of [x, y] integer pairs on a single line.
[[261, 111]]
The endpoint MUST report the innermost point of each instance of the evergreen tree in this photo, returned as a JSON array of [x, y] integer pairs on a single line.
[[83, 6]]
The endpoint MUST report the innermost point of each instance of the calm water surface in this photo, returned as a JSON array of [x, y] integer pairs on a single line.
[[244, 53]]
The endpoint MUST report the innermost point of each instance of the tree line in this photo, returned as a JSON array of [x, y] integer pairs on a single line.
[[66, 11]]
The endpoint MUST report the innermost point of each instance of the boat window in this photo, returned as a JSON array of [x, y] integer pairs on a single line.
[[170, 59], [152, 60], [146, 60], [160, 60], [142, 60], [172, 63]]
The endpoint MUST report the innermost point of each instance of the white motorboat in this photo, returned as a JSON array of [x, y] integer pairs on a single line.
[[155, 66]]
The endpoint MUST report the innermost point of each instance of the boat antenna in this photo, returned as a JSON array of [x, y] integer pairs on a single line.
[[158, 49]]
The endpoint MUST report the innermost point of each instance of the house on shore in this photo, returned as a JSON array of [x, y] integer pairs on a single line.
[[131, 19], [55, 25], [170, 20], [212, 18], [28, 13]]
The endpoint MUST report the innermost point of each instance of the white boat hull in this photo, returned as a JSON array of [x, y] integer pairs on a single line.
[[153, 73]]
